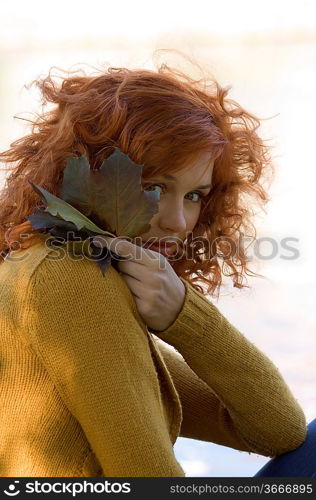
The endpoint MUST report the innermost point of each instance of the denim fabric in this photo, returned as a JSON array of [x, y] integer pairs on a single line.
[[296, 463]]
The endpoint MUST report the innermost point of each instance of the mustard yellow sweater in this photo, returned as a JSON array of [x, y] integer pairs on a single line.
[[87, 390]]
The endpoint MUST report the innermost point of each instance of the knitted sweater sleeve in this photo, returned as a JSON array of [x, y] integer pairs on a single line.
[[84, 328], [230, 392]]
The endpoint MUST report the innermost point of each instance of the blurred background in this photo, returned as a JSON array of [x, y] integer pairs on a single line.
[[266, 51]]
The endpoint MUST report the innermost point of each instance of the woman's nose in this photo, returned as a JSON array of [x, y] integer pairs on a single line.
[[172, 220]]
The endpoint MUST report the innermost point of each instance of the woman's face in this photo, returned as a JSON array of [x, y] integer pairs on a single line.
[[180, 203]]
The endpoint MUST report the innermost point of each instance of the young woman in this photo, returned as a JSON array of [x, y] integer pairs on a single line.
[[89, 386]]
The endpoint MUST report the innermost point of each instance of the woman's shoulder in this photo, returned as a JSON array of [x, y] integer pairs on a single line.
[[50, 269], [24, 262], [45, 292]]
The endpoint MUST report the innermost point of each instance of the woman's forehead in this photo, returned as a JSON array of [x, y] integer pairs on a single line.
[[181, 164], [201, 167], [200, 173]]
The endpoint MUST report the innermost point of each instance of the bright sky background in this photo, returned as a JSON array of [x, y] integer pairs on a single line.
[[267, 52], [59, 20]]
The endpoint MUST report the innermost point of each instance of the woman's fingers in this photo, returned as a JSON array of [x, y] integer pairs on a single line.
[[129, 251]]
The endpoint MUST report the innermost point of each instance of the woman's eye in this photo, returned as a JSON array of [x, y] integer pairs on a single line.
[[196, 193], [199, 195], [151, 185]]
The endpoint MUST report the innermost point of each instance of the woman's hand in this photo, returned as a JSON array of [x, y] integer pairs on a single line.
[[158, 291]]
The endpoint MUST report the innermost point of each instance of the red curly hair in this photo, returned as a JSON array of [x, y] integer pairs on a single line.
[[162, 118]]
